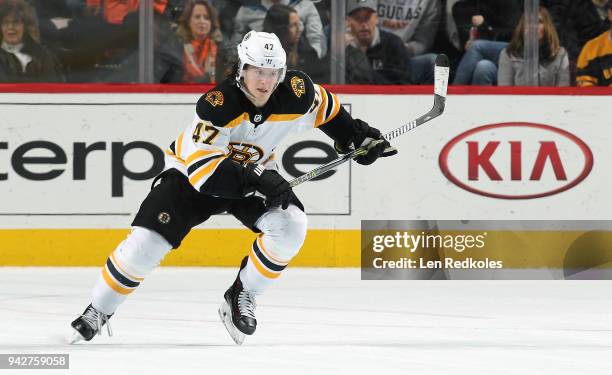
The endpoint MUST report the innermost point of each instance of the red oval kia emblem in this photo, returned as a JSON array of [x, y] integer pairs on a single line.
[[516, 160]]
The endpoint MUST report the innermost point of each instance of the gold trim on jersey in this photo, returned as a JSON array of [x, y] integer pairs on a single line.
[[586, 81], [203, 173], [284, 117], [171, 154], [335, 107], [237, 121], [200, 154], [322, 107], [179, 145], [595, 62], [335, 110]]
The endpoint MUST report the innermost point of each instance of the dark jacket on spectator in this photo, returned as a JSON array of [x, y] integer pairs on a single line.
[[44, 67], [167, 56], [309, 62], [500, 18], [577, 22], [385, 62]]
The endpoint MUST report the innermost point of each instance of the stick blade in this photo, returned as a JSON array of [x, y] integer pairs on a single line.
[[441, 73], [442, 61]]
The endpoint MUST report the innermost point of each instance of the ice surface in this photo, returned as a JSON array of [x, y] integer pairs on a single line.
[[316, 321]]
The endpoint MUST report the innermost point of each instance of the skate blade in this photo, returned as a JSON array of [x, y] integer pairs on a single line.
[[226, 317], [75, 337]]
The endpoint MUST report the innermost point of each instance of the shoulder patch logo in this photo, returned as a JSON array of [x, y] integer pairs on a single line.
[[163, 217], [215, 98], [297, 84]]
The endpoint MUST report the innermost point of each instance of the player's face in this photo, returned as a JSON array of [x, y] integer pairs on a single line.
[[199, 23], [362, 23], [12, 30], [261, 82]]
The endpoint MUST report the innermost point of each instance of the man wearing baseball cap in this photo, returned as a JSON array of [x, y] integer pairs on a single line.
[[372, 55], [595, 60]]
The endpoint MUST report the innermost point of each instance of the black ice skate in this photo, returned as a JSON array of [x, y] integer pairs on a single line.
[[238, 310], [89, 324]]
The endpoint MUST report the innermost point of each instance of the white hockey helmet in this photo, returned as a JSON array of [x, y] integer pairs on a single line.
[[262, 50]]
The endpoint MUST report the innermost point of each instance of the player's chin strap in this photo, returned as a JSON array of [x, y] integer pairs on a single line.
[[248, 94]]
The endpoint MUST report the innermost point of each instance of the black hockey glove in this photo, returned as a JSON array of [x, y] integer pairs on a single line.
[[364, 135], [269, 183]]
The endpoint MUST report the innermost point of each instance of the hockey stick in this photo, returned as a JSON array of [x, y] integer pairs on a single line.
[[441, 73]]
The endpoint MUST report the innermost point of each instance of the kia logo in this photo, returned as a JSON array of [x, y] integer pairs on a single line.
[[516, 160]]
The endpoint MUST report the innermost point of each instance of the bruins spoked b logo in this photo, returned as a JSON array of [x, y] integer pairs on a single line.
[[163, 217], [215, 98], [297, 84], [244, 152]]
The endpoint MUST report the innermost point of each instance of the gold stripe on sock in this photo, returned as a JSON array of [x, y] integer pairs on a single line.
[[260, 267], [113, 285]]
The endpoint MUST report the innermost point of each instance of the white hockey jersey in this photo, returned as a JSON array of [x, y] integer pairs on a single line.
[[228, 126]]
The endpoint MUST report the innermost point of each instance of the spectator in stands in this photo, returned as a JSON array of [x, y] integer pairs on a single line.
[[199, 31], [168, 64], [22, 57], [324, 9], [485, 28], [284, 21], [416, 23], [577, 22], [373, 56], [447, 37], [227, 10], [495, 19], [114, 11], [251, 18], [103, 45], [98, 41], [595, 60], [553, 69], [52, 15], [167, 56]]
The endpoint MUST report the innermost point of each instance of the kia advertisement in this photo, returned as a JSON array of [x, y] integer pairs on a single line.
[[516, 160]]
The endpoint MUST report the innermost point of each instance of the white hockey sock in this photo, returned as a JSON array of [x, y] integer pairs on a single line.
[[283, 233], [127, 267], [261, 269]]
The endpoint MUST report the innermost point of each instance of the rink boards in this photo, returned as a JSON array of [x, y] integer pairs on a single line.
[[75, 167]]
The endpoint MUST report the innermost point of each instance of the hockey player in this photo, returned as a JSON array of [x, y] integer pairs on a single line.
[[223, 162]]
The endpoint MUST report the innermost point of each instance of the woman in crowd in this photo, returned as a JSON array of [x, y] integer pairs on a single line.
[[553, 69], [22, 57], [199, 30], [284, 21]]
